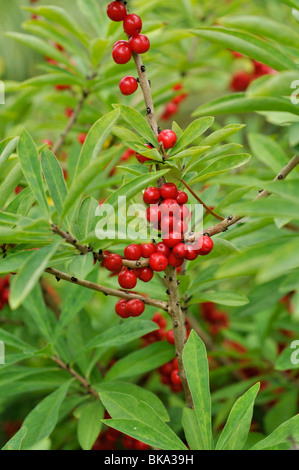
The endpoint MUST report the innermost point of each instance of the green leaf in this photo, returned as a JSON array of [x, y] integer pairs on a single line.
[[86, 217], [10, 340], [193, 132], [289, 358], [249, 45], [263, 26], [137, 121], [191, 429], [222, 134], [122, 333], [95, 140], [54, 178], [137, 392], [23, 283], [92, 12], [10, 147], [97, 50], [42, 420], [284, 434], [52, 79], [230, 298], [15, 443], [139, 421], [9, 184], [31, 167], [281, 411], [90, 424], [235, 432], [141, 361], [197, 371], [292, 3], [268, 151], [35, 307], [221, 165], [273, 85], [283, 260]]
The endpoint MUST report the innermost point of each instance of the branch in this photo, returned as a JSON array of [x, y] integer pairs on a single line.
[[106, 290], [84, 382], [70, 123], [233, 219], [201, 202]]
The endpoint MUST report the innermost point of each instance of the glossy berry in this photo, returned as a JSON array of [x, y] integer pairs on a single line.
[[128, 85], [163, 249], [121, 308], [170, 207], [142, 158], [158, 262], [133, 252], [167, 224], [151, 196], [184, 212], [113, 262], [122, 42], [121, 54], [132, 25], [181, 226], [146, 274], [82, 138], [175, 378], [174, 261], [191, 253], [179, 251], [169, 191], [170, 337], [147, 249], [116, 11], [139, 44], [168, 138], [160, 320], [153, 214], [135, 307], [206, 245], [172, 239], [182, 197], [127, 279], [240, 81]]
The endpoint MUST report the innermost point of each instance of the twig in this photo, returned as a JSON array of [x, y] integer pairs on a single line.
[[9, 321], [233, 219], [70, 123], [106, 290], [83, 381], [207, 208]]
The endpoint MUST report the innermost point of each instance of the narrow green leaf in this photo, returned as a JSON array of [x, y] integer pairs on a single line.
[[283, 435], [90, 424], [9, 184], [137, 121], [15, 443], [191, 429], [193, 132], [10, 147], [54, 178]]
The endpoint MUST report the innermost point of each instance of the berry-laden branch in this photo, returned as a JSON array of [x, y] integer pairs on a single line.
[[82, 380], [107, 291], [233, 219]]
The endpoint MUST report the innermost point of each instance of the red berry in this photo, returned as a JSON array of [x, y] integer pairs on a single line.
[[175, 363], [167, 224], [181, 226], [172, 239], [158, 262], [116, 11], [166, 369], [128, 85], [141, 158], [151, 195], [48, 142], [121, 43], [182, 197], [147, 249], [132, 25], [113, 262], [133, 252], [160, 320], [174, 261], [121, 308], [82, 138], [170, 337], [141, 446], [170, 207], [179, 251], [127, 279], [191, 253], [163, 249], [128, 442], [127, 155], [121, 54], [146, 274], [170, 109], [184, 212], [205, 244], [135, 307], [169, 191], [241, 81], [153, 214], [179, 98], [175, 378], [168, 138], [140, 44]]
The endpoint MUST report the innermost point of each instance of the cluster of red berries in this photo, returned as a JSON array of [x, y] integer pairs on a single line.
[[173, 106], [111, 439], [123, 50], [242, 79], [4, 291], [216, 319]]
